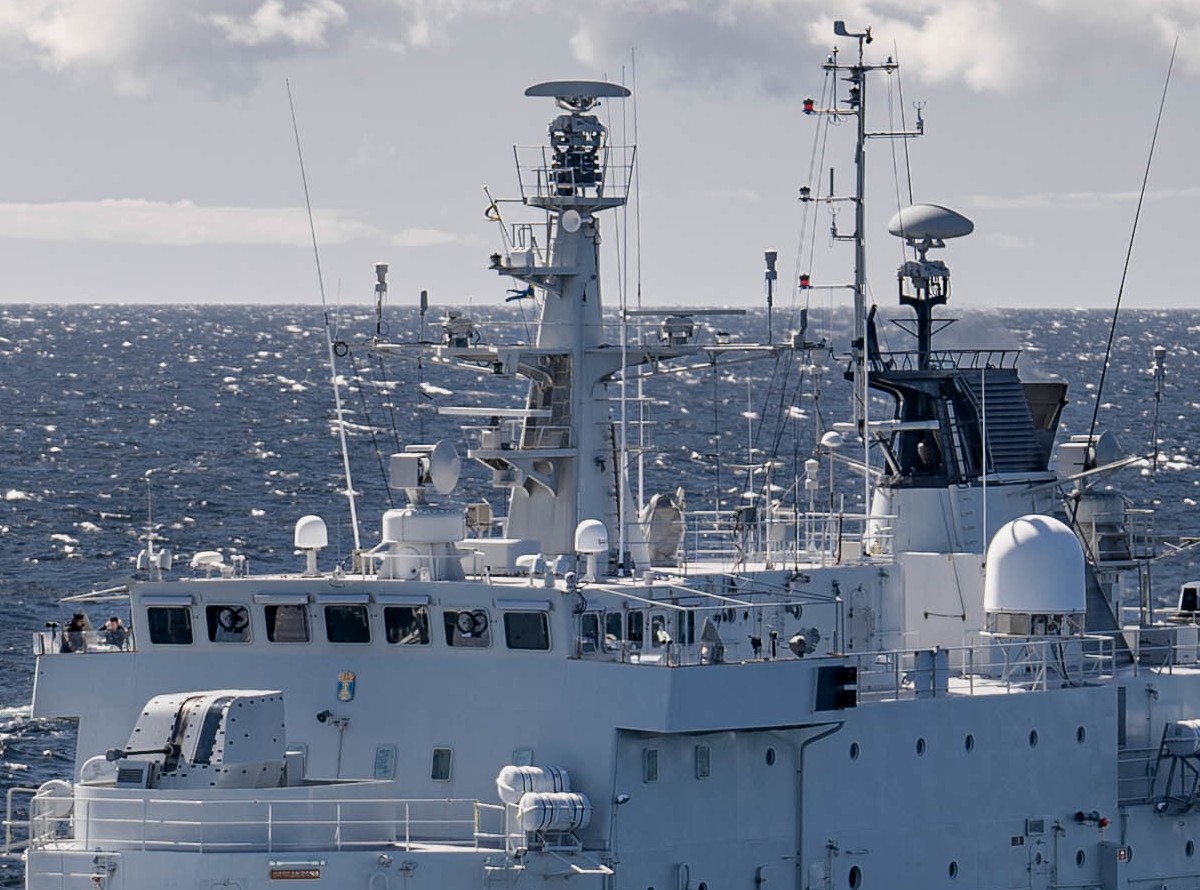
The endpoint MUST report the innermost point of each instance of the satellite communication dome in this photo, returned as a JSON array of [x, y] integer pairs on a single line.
[[1035, 566], [591, 537]]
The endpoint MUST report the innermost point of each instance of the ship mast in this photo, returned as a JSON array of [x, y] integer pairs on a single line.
[[856, 106]]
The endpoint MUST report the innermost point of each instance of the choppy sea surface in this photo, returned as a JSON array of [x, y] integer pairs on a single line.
[[216, 426]]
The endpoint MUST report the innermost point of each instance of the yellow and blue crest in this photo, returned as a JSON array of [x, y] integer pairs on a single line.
[[345, 686]]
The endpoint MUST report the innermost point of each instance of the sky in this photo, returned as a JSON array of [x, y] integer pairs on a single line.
[[148, 153]]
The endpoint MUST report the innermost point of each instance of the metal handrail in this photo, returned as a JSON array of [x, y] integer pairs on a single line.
[[268, 825], [13, 845]]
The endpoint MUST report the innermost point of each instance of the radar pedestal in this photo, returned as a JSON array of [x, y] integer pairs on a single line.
[[419, 542], [925, 283]]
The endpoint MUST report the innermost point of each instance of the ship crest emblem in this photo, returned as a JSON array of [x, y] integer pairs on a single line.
[[345, 686]]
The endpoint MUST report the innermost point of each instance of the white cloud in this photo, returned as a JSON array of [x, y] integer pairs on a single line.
[[273, 22], [180, 223], [986, 44], [136, 44]]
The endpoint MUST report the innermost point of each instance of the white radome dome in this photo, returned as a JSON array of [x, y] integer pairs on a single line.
[[1035, 566]]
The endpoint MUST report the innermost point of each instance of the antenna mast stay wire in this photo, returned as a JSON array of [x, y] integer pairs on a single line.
[[1112, 331], [337, 395]]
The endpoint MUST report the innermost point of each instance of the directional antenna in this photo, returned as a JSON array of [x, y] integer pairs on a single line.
[[577, 96], [444, 467]]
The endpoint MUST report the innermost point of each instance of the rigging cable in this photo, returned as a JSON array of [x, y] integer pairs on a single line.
[[1129, 250], [816, 162], [337, 395]]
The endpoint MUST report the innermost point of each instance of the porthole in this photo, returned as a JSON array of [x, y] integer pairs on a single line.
[[855, 877], [854, 750], [1080, 858], [1033, 738], [953, 870], [1189, 849], [1081, 735], [920, 747], [702, 886], [770, 757], [969, 742]]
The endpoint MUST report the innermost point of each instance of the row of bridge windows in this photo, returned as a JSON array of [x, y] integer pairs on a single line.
[[347, 623]]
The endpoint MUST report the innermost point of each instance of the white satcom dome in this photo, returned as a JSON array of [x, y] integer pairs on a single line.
[[1035, 566], [591, 537]]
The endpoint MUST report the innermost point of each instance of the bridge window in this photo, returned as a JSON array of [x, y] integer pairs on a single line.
[[589, 633], [659, 635], [347, 624], [527, 630], [170, 625], [613, 631], [406, 625], [287, 624], [467, 628], [228, 624], [635, 628]]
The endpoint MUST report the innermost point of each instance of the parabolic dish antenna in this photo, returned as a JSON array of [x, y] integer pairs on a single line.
[[444, 467]]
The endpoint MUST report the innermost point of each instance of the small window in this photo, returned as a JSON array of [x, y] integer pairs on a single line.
[[649, 764], [522, 757], [406, 625], [527, 630], [589, 633], [467, 628], [635, 628], [385, 762], [613, 631], [703, 761], [442, 758], [347, 624], [287, 624], [170, 625], [228, 624]]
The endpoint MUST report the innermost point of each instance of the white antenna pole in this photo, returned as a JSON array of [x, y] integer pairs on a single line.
[[983, 447], [337, 394], [637, 221]]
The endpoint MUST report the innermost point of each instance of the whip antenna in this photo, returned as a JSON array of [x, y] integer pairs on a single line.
[[1129, 250], [337, 393]]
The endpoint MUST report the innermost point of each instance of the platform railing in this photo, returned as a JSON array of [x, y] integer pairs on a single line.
[[215, 825], [56, 642], [738, 537], [992, 663]]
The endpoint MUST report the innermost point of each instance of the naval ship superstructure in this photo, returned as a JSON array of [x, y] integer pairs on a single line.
[[939, 692]]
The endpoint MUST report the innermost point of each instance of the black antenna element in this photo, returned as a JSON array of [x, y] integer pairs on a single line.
[[1129, 250]]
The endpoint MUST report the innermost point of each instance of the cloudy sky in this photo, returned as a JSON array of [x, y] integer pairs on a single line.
[[148, 152]]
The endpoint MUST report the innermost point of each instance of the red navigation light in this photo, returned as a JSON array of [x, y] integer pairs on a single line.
[[805, 281], [808, 106], [1103, 823]]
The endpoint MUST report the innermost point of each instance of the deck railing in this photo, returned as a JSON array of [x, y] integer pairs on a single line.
[[225, 825]]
